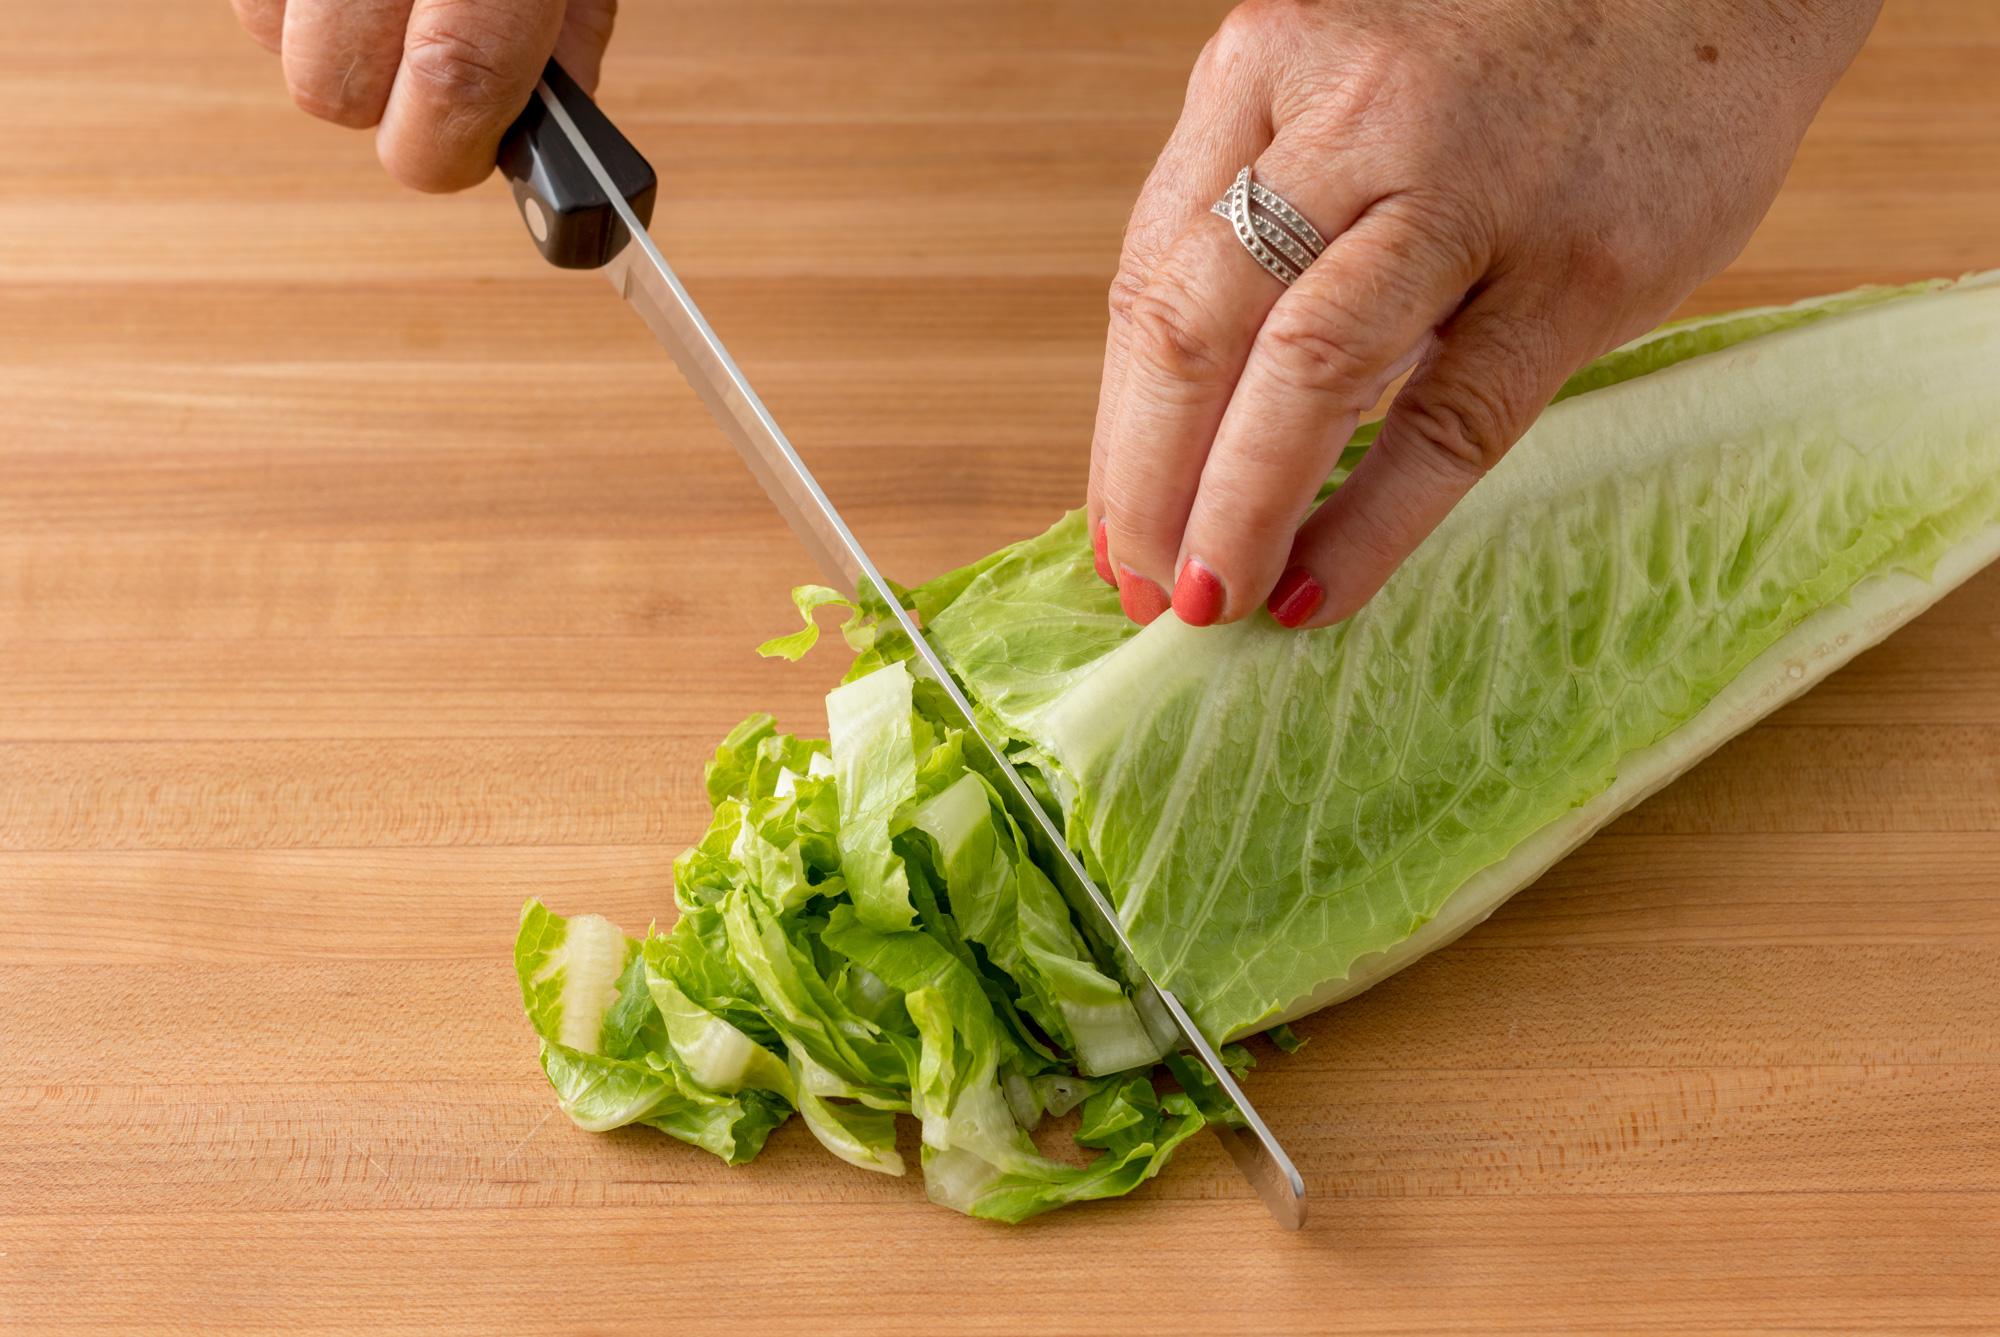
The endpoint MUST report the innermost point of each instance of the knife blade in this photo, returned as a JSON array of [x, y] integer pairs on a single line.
[[586, 195]]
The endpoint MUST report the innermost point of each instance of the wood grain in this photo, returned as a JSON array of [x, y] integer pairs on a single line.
[[360, 577]]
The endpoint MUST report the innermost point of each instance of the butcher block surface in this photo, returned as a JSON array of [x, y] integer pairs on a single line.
[[360, 577]]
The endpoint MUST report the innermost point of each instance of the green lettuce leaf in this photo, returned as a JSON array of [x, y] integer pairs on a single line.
[[840, 1116], [1007, 905], [581, 977]]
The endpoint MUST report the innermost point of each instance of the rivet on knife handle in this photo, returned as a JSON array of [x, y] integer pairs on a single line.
[[561, 200]]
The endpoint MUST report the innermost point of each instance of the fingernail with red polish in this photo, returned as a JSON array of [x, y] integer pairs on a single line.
[[1296, 597], [1141, 599], [1100, 548], [1197, 594]]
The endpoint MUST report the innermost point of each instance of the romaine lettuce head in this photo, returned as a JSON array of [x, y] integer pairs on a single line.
[[1713, 518], [1705, 523]]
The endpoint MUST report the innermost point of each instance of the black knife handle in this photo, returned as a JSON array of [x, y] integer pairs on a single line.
[[567, 212]]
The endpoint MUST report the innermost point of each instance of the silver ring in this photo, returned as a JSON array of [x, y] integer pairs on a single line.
[[1277, 236]]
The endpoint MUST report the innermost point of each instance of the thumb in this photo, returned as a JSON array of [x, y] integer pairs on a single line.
[[1494, 367], [586, 31]]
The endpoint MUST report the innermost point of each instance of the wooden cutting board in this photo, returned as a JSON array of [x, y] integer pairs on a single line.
[[360, 577]]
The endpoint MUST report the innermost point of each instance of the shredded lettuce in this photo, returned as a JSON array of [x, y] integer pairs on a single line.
[[862, 933], [1707, 521]]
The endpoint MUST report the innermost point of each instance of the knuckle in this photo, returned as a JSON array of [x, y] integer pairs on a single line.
[[1464, 429], [1433, 232], [1314, 345], [1168, 333], [1243, 34], [459, 60], [1374, 538], [1126, 285], [1344, 101]]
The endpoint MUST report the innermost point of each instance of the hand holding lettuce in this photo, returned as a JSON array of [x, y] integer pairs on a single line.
[[1706, 522], [1506, 189]]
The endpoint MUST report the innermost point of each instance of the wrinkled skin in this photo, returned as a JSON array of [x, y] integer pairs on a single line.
[[1508, 188], [439, 81]]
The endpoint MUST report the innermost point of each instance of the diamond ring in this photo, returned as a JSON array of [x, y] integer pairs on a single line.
[[1277, 236]]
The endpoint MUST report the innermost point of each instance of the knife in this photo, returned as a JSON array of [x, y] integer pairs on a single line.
[[587, 195]]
